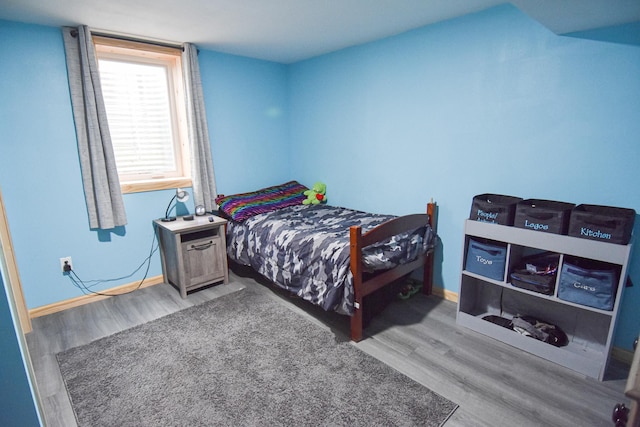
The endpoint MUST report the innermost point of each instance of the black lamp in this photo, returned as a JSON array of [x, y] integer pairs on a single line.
[[181, 196]]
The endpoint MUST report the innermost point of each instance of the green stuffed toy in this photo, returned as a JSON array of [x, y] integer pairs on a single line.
[[316, 195]]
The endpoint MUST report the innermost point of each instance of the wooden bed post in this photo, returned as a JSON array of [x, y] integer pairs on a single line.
[[356, 270], [359, 241], [427, 276]]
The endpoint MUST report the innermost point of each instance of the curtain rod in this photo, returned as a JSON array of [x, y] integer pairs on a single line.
[[74, 33]]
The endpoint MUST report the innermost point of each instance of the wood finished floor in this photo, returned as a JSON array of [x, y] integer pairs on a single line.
[[493, 383]]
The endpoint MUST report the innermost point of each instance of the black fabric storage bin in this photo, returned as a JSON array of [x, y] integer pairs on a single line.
[[486, 259], [536, 273], [602, 223], [494, 208], [593, 285], [543, 215]]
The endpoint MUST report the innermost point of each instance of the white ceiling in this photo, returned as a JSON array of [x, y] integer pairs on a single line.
[[287, 31]]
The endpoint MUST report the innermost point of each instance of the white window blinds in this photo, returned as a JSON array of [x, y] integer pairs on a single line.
[[136, 97], [141, 115]]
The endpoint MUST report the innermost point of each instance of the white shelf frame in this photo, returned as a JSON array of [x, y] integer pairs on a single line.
[[587, 361]]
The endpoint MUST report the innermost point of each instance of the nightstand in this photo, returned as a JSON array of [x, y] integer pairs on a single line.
[[193, 253]]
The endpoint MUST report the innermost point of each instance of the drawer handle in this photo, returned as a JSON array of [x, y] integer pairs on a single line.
[[202, 246]]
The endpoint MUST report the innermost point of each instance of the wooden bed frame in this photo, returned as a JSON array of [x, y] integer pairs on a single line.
[[365, 286]]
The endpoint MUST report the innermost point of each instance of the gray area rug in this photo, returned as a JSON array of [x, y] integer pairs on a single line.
[[239, 360]]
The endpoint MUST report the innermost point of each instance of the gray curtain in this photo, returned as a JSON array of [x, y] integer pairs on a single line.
[[97, 161], [204, 184]]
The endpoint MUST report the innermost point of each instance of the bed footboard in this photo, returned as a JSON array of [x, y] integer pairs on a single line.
[[359, 241]]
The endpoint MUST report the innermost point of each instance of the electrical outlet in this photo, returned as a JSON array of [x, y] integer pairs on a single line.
[[64, 262]]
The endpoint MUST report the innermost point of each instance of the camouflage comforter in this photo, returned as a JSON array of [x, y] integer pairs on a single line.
[[305, 249]]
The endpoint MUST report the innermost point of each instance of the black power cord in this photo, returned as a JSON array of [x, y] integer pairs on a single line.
[[86, 289]]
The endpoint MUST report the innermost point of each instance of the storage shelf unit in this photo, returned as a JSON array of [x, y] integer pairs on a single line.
[[590, 330]]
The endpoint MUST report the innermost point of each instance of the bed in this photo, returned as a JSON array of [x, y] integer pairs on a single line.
[[328, 255]]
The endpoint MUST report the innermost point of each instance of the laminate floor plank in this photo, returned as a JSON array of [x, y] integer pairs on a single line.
[[59, 411], [499, 384], [493, 383]]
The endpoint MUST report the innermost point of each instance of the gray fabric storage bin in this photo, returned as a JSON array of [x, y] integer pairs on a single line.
[[486, 259]]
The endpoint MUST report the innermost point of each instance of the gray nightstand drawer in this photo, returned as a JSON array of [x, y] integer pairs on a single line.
[[202, 260]]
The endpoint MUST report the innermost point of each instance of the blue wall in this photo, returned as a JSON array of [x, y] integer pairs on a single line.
[[40, 172], [17, 407], [488, 103], [248, 117], [491, 102]]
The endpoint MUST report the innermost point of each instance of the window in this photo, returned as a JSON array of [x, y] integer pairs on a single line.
[[144, 98]]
